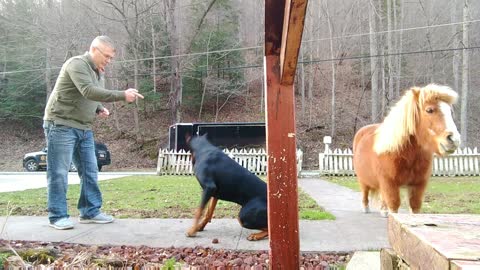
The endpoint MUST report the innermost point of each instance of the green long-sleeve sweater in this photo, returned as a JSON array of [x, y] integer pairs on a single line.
[[77, 94]]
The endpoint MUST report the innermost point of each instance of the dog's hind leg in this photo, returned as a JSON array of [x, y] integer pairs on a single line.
[[258, 236], [254, 215], [209, 214]]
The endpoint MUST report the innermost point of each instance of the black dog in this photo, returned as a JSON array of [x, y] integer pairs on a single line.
[[222, 178]]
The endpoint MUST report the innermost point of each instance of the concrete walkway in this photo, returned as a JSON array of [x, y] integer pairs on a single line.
[[351, 231]]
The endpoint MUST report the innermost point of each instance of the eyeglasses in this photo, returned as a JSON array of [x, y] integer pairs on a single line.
[[108, 57]]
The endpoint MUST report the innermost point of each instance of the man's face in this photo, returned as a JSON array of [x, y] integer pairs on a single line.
[[102, 55]]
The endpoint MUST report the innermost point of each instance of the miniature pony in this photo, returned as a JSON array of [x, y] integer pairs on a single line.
[[399, 151]]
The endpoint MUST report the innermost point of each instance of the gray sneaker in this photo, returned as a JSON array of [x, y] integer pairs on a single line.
[[101, 218], [62, 224]]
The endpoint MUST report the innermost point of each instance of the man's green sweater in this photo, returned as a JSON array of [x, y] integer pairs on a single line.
[[77, 94]]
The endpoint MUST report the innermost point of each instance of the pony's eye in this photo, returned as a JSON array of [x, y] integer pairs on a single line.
[[430, 110]]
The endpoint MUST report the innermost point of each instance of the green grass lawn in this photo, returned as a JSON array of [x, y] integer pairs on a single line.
[[144, 197], [444, 195]]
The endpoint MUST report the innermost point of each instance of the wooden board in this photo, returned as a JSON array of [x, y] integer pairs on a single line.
[[427, 241], [283, 32], [291, 39], [464, 265]]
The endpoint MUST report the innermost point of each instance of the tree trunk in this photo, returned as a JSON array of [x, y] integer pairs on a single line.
[[115, 114], [311, 74], [465, 76], [176, 90], [362, 67], [456, 44], [385, 97], [154, 56], [135, 82], [373, 61], [381, 62], [48, 73], [302, 89], [333, 66], [390, 50], [206, 79], [400, 47]]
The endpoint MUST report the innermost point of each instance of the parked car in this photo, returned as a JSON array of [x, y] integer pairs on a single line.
[[36, 161]]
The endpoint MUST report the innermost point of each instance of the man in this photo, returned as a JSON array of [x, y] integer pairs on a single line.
[[68, 120]]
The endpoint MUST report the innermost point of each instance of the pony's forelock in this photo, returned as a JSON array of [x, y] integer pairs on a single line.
[[435, 92], [401, 121]]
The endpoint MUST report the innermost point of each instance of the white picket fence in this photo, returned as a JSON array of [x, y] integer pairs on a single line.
[[464, 162], [172, 162]]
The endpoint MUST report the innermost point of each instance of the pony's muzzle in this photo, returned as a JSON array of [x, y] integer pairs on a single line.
[[453, 139], [451, 142]]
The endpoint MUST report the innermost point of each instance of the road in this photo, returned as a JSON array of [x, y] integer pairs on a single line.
[[15, 181]]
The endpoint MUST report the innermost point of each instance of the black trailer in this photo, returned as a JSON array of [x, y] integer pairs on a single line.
[[223, 135]]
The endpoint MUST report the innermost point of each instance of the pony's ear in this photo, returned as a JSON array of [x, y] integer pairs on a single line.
[[415, 96], [415, 91]]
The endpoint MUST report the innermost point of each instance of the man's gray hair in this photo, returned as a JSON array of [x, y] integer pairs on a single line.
[[105, 40]]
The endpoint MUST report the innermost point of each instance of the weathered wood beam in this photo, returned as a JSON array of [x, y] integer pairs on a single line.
[[281, 137], [435, 241], [282, 170], [274, 14], [294, 20]]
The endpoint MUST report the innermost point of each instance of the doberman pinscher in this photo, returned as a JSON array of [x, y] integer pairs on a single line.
[[222, 178]]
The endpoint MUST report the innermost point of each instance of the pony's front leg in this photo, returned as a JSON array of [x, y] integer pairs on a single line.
[[383, 209], [415, 195], [365, 190], [391, 197]]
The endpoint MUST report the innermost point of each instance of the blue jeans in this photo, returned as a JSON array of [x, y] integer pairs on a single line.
[[64, 145]]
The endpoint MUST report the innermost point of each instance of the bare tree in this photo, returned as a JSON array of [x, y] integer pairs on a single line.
[[302, 82], [333, 65], [400, 47], [206, 79], [176, 50], [456, 44], [465, 75], [48, 73], [373, 60], [390, 49]]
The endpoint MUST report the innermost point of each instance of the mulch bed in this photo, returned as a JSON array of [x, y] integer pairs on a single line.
[[56, 255]]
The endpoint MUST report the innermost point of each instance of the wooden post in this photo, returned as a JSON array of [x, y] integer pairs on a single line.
[[281, 174], [284, 21]]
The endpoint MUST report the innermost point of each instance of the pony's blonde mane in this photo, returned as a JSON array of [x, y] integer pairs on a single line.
[[402, 120]]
